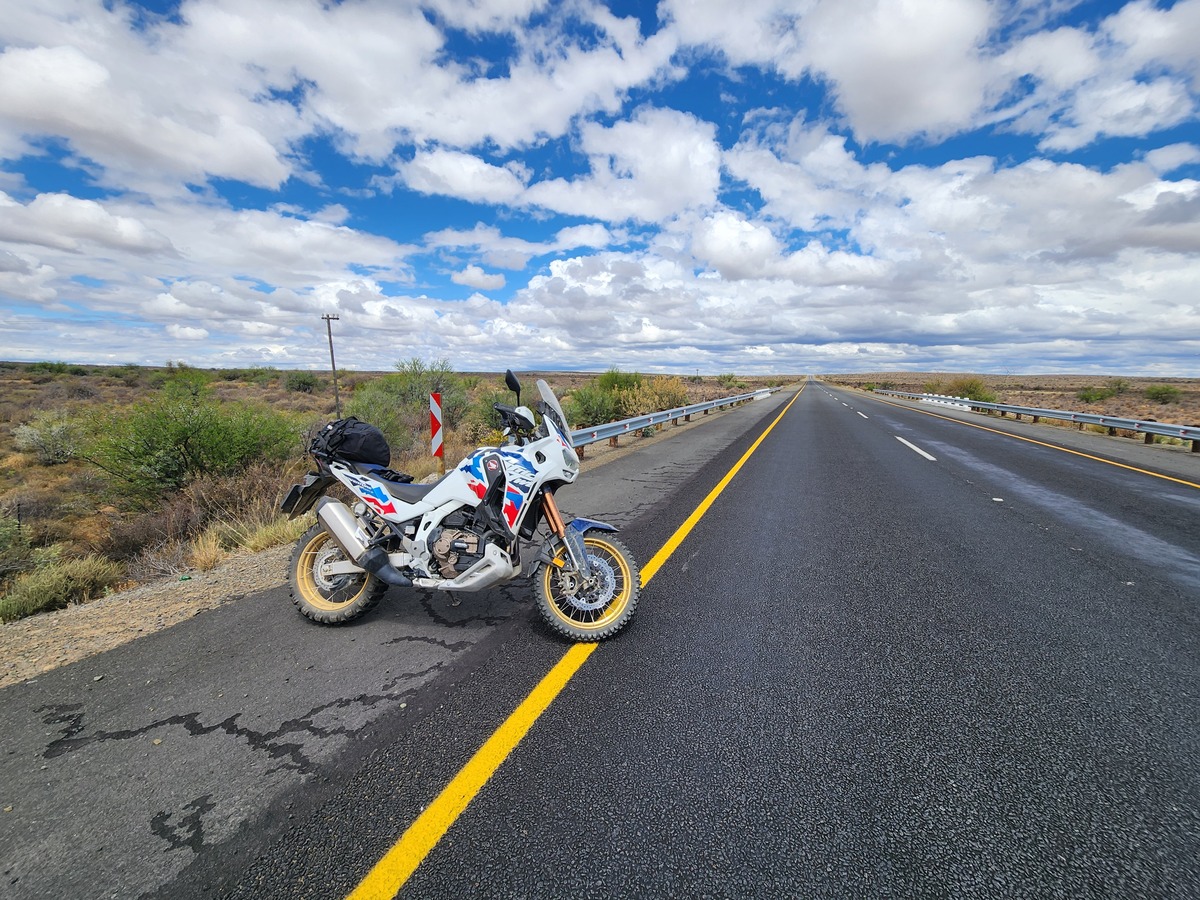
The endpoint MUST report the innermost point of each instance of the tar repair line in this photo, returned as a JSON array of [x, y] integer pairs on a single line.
[[388, 876]]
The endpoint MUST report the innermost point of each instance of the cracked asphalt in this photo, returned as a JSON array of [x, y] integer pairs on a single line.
[[149, 767]]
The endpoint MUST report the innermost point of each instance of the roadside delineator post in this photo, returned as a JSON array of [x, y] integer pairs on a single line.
[[435, 428]]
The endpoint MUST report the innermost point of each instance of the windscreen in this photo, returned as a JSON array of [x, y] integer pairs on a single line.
[[554, 410]]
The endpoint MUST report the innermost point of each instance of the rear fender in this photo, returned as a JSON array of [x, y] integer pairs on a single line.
[[301, 497]]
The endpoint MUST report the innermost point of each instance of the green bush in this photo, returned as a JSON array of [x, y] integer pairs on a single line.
[[398, 404], [300, 382], [47, 368], [971, 389], [1163, 393], [162, 444], [590, 405], [481, 423], [616, 380], [58, 585], [1094, 394]]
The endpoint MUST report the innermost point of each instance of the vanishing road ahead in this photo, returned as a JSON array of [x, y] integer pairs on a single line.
[[899, 654]]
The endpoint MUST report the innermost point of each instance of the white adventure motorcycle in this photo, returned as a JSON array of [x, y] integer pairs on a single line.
[[462, 533]]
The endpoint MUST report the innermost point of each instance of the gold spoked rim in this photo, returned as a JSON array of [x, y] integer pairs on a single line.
[[593, 605], [328, 594]]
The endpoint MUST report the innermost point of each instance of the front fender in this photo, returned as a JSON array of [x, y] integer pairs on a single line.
[[575, 530], [585, 525]]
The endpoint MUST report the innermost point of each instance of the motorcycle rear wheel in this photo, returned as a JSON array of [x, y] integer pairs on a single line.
[[597, 609], [329, 600]]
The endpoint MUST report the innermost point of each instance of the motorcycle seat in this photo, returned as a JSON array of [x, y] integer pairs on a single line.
[[405, 491]]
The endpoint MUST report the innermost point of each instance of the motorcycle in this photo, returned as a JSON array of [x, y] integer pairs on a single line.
[[463, 532]]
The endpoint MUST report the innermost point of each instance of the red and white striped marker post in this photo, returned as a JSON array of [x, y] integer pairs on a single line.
[[435, 428]]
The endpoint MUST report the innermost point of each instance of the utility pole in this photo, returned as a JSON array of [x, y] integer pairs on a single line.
[[337, 400]]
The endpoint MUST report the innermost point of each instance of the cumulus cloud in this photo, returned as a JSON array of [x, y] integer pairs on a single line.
[[462, 175], [474, 276], [654, 166]]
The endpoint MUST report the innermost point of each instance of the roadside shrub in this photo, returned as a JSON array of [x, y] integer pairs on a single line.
[[58, 585], [1163, 393], [971, 389], [616, 380], [589, 405], [398, 404], [481, 424], [162, 444], [52, 436], [659, 393]]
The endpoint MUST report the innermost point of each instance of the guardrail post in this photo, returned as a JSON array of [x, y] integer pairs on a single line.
[[1196, 446], [612, 441]]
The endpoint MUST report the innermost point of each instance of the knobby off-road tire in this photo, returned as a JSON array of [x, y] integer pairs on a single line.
[[598, 610], [330, 601]]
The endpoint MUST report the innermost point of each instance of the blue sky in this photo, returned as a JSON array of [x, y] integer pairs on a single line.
[[692, 185]]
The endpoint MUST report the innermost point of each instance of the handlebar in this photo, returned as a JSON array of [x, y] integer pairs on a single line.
[[513, 422]]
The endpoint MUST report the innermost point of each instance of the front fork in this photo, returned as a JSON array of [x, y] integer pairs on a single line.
[[572, 538]]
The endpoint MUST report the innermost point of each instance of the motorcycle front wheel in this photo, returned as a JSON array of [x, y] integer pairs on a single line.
[[594, 609], [330, 600]]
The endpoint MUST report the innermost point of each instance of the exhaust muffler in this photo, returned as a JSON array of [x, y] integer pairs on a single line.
[[339, 523]]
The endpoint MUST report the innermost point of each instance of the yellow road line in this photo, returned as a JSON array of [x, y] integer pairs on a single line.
[[389, 874], [1018, 437]]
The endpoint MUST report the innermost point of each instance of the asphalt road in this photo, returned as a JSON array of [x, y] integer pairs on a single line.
[[864, 672]]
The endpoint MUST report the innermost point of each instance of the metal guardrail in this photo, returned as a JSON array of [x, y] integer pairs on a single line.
[[1147, 427], [584, 436]]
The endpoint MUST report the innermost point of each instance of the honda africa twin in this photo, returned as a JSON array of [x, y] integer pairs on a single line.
[[462, 533]]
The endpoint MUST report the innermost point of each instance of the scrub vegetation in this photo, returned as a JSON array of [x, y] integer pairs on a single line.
[[113, 475]]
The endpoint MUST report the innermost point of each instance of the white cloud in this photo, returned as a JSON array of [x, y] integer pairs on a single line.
[[68, 223], [186, 333], [650, 168], [461, 175], [474, 276], [1125, 109]]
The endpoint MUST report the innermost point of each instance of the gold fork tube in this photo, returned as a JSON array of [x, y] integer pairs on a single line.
[[553, 517]]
